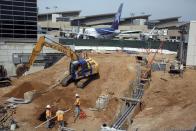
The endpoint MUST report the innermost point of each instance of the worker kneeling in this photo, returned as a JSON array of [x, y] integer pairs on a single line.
[[60, 118]]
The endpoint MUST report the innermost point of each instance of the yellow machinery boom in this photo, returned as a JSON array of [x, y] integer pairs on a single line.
[[80, 68], [41, 43]]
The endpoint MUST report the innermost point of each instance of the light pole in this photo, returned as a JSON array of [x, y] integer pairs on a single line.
[[55, 7], [47, 8]]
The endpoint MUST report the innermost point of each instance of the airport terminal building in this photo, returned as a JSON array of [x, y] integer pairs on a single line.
[[18, 19], [18, 34], [18, 30]]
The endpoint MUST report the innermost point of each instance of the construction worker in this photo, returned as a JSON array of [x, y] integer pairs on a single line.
[[77, 106], [60, 118], [48, 115]]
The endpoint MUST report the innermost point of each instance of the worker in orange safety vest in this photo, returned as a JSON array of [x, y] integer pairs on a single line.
[[60, 118], [77, 106], [48, 115]]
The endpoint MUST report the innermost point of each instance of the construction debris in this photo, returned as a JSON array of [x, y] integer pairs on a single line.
[[67, 129], [102, 102], [6, 117], [110, 129]]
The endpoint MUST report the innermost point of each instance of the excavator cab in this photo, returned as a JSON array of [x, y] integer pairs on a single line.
[[80, 69], [81, 72]]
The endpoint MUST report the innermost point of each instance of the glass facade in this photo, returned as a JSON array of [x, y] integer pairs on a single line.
[[18, 19]]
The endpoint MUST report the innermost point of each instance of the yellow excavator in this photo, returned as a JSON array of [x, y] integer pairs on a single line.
[[82, 70]]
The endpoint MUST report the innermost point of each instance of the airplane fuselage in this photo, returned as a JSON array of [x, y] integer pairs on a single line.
[[101, 33], [105, 33]]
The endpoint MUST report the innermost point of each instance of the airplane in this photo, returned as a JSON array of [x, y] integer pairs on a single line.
[[105, 33]]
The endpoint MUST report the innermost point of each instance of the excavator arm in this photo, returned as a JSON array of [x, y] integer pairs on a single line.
[[22, 68], [64, 49], [36, 51]]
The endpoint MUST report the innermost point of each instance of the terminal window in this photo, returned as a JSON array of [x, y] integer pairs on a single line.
[[18, 19]]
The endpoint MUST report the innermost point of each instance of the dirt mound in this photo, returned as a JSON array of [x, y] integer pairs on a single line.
[[19, 91], [170, 103], [116, 72], [47, 76]]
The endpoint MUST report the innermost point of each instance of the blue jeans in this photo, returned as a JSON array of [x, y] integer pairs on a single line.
[[48, 122], [61, 123], [77, 111]]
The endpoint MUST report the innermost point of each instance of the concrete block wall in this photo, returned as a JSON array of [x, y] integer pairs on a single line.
[[6, 53]]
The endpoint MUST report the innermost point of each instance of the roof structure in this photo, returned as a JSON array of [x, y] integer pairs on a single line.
[[61, 12], [137, 17], [95, 16], [169, 25], [102, 19], [165, 19]]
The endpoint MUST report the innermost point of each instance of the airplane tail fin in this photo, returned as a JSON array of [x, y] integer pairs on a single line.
[[116, 21]]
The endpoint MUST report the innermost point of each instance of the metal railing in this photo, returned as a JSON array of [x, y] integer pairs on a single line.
[[137, 94]]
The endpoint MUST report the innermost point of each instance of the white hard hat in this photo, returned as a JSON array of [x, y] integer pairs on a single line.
[[77, 95], [48, 106]]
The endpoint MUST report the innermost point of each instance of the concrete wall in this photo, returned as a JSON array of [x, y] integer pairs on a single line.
[[191, 52], [6, 54]]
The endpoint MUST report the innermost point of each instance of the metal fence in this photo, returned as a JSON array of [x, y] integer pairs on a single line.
[[121, 43], [138, 90]]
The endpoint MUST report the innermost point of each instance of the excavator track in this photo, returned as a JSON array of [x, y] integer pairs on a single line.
[[5, 82], [85, 81], [66, 81]]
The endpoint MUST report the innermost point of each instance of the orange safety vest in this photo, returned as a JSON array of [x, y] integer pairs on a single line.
[[48, 113], [77, 102], [60, 115]]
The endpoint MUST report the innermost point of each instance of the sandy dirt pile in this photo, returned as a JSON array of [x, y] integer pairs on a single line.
[[19, 91], [48, 76], [170, 103], [116, 72]]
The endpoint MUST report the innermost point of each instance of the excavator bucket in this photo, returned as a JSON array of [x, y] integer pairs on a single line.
[[20, 70]]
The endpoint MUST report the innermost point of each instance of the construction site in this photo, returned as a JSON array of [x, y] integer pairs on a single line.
[[78, 76], [133, 91]]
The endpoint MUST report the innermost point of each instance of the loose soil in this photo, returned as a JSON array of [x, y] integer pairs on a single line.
[[117, 70], [170, 103]]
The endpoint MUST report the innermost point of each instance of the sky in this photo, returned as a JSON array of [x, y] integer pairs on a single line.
[[157, 8]]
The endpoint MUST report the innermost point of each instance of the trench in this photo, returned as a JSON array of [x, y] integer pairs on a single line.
[[132, 104]]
